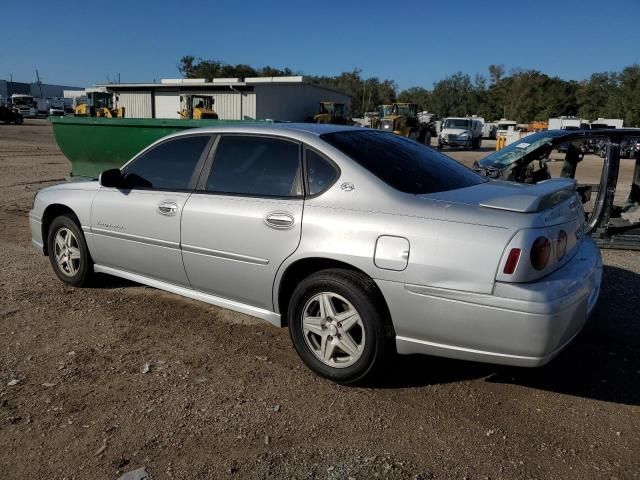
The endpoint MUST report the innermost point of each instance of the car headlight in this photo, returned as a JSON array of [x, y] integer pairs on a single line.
[[464, 135]]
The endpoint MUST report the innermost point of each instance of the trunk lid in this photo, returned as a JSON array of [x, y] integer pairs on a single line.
[[518, 197]]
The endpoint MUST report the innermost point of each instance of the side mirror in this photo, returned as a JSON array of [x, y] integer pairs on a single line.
[[111, 178]]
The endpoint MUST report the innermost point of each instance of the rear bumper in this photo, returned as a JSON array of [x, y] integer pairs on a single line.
[[520, 324]]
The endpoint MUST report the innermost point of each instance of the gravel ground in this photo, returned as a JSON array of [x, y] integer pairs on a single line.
[[225, 396]]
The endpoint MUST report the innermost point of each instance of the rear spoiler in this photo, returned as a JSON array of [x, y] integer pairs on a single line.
[[535, 198]]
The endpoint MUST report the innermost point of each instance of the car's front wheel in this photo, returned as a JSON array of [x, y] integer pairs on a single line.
[[68, 252], [339, 325]]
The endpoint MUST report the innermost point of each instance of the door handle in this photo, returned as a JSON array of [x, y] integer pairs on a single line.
[[168, 208], [279, 220]]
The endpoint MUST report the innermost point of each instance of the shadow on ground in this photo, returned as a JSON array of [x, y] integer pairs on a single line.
[[109, 282], [602, 363]]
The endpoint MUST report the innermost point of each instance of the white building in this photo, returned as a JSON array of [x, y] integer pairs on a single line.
[[277, 98]]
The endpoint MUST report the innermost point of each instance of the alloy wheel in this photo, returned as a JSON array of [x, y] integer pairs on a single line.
[[333, 329], [67, 252]]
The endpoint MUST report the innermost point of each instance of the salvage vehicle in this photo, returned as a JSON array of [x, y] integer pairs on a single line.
[[463, 132], [526, 161], [362, 242], [10, 115]]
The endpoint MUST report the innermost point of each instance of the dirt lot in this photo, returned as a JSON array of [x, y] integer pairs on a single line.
[[226, 397]]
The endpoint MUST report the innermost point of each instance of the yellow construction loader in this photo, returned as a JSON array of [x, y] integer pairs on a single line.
[[99, 102], [402, 119], [331, 112], [197, 107]]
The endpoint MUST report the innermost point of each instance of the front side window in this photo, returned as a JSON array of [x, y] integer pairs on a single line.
[[253, 165], [320, 173], [402, 163], [168, 166]]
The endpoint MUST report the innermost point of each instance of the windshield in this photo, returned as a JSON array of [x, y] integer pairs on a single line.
[[385, 110], [519, 149], [505, 126], [401, 163], [457, 123], [409, 110], [23, 101]]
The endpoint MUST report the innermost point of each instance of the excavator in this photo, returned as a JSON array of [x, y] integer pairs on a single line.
[[402, 119], [331, 112], [197, 107], [98, 103]]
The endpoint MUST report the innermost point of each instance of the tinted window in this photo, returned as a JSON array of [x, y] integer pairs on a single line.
[[402, 163], [170, 165], [256, 166], [320, 173]]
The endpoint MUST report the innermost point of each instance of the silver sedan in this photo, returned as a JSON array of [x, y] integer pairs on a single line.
[[363, 243]]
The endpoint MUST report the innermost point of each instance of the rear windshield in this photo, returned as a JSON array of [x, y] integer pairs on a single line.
[[405, 165]]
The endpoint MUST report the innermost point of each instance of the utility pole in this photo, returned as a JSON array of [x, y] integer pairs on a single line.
[[39, 83], [364, 89]]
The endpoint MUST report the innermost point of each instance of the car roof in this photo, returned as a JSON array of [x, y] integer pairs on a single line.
[[314, 129]]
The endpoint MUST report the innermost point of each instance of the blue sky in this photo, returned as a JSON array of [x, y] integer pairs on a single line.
[[413, 43]]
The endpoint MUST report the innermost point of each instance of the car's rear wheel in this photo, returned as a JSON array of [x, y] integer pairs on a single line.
[[339, 325], [68, 252]]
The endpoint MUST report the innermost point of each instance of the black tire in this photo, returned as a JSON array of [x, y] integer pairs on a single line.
[[82, 271], [19, 121], [363, 294]]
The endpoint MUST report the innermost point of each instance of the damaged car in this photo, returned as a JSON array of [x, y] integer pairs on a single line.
[[612, 224]]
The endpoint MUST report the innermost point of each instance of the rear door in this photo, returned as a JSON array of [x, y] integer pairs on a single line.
[[137, 228], [245, 218]]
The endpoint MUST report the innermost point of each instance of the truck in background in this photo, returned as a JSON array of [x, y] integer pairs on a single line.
[[463, 132], [601, 123], [505, 126], [490, 130], [568, 123], [24, 104], [59, 105]]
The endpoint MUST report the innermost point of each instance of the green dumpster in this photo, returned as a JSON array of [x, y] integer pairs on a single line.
[[93, 145]]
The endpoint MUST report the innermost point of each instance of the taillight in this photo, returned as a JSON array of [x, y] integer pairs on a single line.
[[540, 253], [561, 245], [512, 261]]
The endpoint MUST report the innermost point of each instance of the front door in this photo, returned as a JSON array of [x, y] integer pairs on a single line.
[[136, 228], [245, 218]]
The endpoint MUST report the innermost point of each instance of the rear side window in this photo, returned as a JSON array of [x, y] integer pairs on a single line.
[[402, 163], [320, 172], [252, 165], [169, 166]]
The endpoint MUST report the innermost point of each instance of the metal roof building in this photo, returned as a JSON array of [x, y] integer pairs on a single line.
[[258, 98]]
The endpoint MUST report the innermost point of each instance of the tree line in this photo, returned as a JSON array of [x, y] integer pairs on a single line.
[[521, 95]]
